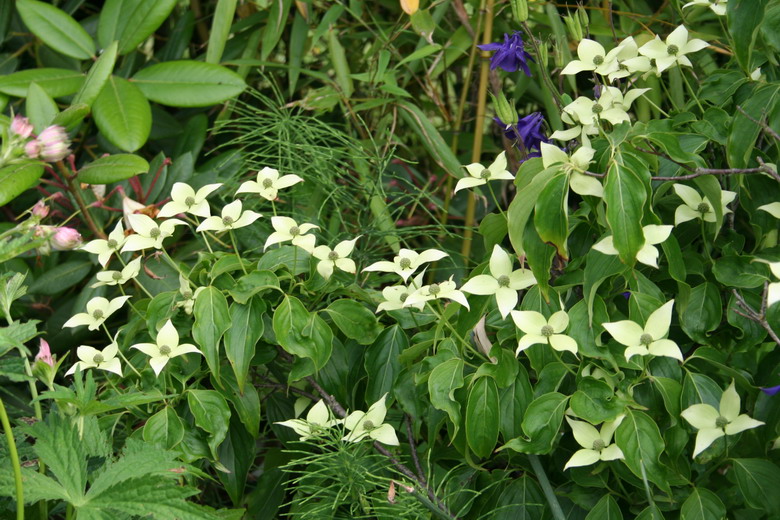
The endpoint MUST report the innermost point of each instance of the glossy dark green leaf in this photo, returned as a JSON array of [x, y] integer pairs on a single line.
[[698, 388], [521, 500], [113, 168], [130, 22], [605, 509], [302, 334], [702, 504], [702, 313], [624, 194], [551, 213], [514, 401], [483, 416], [354, 320], [598, 268], [442, 383], [40, 107], [595, 401], [757, 479], [164, 428], [740, 271], [641, 442], [16, 178], [220, 29], [382, 364], [237, 455], [541, 424], [61, 277], [744, 131], [123, 114], [56, 82], [211, 413], [246, 329], [212, 319], [670, 391], [187, 83], [97, 76], [56, 28], [744, 19]]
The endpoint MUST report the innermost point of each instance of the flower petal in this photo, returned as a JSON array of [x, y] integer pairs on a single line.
[[584, 433], [481, 284], [353, 419], [385, 434], [582, 458], [729, 402], [684, 213], [506, 299], [168, 335], [158, 363], [638, 350], [559, 321], [245, 219], [665, 348], [325, 268], [347, 265], [528, 340], [648, 255], [112, 365], [79, 319], [150, 349], [689, 195], [468, 182], [530, 322], [659, 321], [700, 416], [500, 262], [582, 184], [561, 342], [611, 452], [521, 279], [625, 332], [606, 246], [742, 423], [705, 438], [345, 248]]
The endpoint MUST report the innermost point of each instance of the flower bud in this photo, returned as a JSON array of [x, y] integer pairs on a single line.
[[583, 14], [410, 6], [44, 353], [574, 26], [99, 190], [130, 207], [519, 10], [33, 149], [504, 109], [21, 126], [55, 143], [65, 239], [40, 210]]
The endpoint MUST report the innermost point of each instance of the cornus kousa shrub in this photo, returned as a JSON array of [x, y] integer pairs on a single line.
[[501, 260]]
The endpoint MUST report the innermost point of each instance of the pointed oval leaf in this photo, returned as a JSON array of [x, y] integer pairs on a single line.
[[123, 114], [131, 21], [188, 83], [483, 416], [16, 178], [97, 76], [56, 82], [113, 168], [40, 107], [56, 28]]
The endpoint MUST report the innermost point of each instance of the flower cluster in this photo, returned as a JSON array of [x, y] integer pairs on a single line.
[[51, 145]]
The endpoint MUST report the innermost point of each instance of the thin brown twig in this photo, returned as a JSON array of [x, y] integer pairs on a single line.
[[413, 449], [764, 126], [751, 314]]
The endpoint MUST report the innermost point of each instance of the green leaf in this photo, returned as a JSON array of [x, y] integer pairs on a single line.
[[624, 194], [744, 131], [302, 334], [123, 114], [431, 138], [541, 424], [514, 401], [253, 283], [605, 509], [703, 504], [71, 116], [354, 320], [551, 213], [58, 445], [522, 499], [274, 27], [41, 108], [246, 329], [61, 277], [539, 256], [740, 271], [445, 378], [530, 180], [712, 190], [164, 428], [188, 83], [237, 455], [698, 388], [247, 405], [56, 82], [703, 312], [382, 364], [211, 414], [595, 401], [97, 76], [483, 416], [131, 21], [40, 487], [670, 391], [639, 439], [757, 479], [113, 168], [220, 29], [16, 178], [57, 29], [420, 53], [212, 319], [598, 268], [744, 19], [338, 59]]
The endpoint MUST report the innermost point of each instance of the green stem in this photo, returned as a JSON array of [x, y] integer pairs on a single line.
[[235, 249], [442, 319], [693, 92], [9, 435], [495, 200], [205, 236], [119, 351], [555, 507]]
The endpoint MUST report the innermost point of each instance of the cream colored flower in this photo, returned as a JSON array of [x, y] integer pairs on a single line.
[[672, 51], [395, 296], [574, 166], [186, 200], [650, 340], [98, 311], [370, 424], [105, 248], [502, 281], [648, 255], [538, 329], [329, 259], [149, 234], [268, 183], [166, 346], [406, 262], [232, 218], [318, 419], [697, 206], [437, 291], [130, 271], [90, 357], [479, 175], [596, 445], [286, 229], [717, 6]]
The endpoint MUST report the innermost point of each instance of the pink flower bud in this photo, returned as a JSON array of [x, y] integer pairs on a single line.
[[40, 209], [21, 126], [55, 143], [65, 238], [44, 353], [33, 149]]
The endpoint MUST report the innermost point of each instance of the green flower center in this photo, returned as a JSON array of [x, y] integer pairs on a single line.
[[485, 174], [405, 263], [599, 445], [227, 221], [112, 243], [165, 350], [721, 422], [597, 109], [547, 331], [187, 295], [652, 62], [434, 289], [117, 275], [155, 232], [267, 183], [503, 281], [295, 231], [189, 201], [672, 50], [703, 208], [645, 339], [598, 60], [98, 358], [333, 256], [97, 314], [368, 425], [403, 297]]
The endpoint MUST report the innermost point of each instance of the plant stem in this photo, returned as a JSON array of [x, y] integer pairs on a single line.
[[549, 493], [495, 200], [75, 190], [9, 435], [235, 249]]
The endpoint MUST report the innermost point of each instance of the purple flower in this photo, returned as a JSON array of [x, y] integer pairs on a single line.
[[528, 130], [772, 390], [510, 55]]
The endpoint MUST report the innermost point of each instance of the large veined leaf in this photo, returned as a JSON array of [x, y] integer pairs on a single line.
[[97, 76], [242, 337], [382, 363], [211, 413], [744, 18], [703, 504], [625, 195], [445, 378], [113, 168], [483, 416], [605, 509], [757, 479], [123, 114], [212, 319], [641, 442], [187, 83], [56, 28], [301, 333], [354, 320], [41, 108], [551, 215], [56, 82], [16, 178], [131, 21]]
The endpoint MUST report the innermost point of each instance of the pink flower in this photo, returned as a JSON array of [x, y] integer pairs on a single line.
[[65, 238], [44, 353], [21, 126], [40, 209], [55, 143], [33, 148]]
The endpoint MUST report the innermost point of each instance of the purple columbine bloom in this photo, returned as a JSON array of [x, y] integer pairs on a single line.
[[529, 130], [510, 55], [772, 390]]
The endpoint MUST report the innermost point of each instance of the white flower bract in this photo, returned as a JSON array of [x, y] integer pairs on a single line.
[[406, 262], [286, 229], [98, 311], [130, 271], [647, 340], [318, 418], [502, 281], [596, 444], [105, 248], [436, 291], [574, 165], [166, 346], [232, 218], [479, 175], [673, 50], [538, 329], [184, 199], [149, 234], [370, 424], [330, 259], [268, 183], [90, 357], [648, 254], [695, 206]]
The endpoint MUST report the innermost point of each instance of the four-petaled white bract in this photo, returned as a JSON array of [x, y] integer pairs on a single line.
[[268, 183], [648, 254], [539, 329], [574, 166], [395, 295], [436, 291], [232, 218], [714, 424], [370, 424], [187, 200], [406, 262], [166, 347], [672, 51], [90, 357], [149, 234], [647, 340], [105, 248], [329, 259], [286, 229], [318, 418], [502, 281], [98, 310], [130, 271], [697, 206], [596, 445], [479, 175]]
